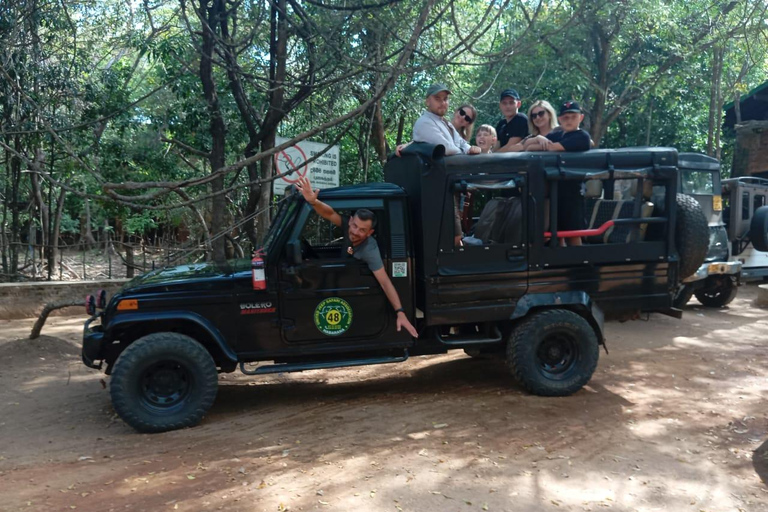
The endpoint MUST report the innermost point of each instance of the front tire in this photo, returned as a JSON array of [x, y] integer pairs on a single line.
[[718, 291], [553, 352], [163, 381]]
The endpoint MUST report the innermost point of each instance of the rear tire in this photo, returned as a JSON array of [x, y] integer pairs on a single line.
[[553, 352], [718, 291], [163, 381], [691, 235]]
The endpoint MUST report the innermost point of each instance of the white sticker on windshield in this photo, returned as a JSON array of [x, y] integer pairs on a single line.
[[400, 269]]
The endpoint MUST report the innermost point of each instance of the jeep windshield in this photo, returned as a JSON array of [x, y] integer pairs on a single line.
[[282, 217], [698, 182]]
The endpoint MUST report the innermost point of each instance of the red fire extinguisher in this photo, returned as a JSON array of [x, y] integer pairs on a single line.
[[257, 269]]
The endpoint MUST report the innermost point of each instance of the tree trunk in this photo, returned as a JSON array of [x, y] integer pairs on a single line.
[[650, 123], [55, 232], [47, 311], [719, 102], [713, 122], [129, 260], [217, 129]]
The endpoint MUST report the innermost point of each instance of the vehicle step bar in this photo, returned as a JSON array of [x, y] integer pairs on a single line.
[[320, 365], [494, 337]]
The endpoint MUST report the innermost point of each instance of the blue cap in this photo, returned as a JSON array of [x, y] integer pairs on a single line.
[[511, 93]]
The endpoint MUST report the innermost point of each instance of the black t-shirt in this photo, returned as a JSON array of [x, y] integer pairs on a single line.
[[515, 127], [577, 140]]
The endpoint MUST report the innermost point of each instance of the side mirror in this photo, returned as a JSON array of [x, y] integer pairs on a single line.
[[293, 249]]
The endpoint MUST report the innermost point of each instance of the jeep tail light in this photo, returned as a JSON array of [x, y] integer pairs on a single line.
[[90, 305]]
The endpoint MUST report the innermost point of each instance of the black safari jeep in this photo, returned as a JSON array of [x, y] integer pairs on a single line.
[[511, 290]]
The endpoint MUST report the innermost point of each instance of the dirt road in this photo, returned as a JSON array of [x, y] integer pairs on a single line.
[[675, 418]]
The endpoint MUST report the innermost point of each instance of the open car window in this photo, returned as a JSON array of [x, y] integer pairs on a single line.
[[490, 212]]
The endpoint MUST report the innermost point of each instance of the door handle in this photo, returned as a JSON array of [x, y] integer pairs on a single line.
[[333, 265]]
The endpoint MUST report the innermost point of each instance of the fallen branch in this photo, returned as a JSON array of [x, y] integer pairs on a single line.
[[51, 306]]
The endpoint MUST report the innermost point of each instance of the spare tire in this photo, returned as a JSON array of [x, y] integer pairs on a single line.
[[758, 229], [691, 235]]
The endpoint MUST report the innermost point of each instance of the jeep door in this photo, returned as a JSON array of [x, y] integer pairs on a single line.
[[481, 279], [328, 297]]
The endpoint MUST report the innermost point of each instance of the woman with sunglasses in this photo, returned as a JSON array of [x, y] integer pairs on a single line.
[[464, 120], [541, 122]]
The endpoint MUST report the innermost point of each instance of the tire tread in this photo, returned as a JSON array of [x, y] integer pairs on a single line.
[[145, 347]]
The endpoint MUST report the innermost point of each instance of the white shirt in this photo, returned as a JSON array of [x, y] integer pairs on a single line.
[[434, 129]]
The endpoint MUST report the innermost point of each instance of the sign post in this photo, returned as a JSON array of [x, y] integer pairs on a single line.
[[323, 172]]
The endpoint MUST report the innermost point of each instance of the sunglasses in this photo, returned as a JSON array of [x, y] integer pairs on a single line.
[[463, 114], [541, 113]]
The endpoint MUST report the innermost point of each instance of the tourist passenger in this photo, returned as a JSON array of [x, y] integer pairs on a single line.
[[571, 137], [486, 138], [464, 120], [570, 212], [541, 122], [433, 128], [514, 126]]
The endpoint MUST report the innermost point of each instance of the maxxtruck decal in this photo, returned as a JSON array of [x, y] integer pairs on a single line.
[[256, 308]]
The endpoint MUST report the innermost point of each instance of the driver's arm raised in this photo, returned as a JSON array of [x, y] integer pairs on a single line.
[[310, 196]]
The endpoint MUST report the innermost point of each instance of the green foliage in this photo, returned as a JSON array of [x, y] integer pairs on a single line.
[[97, 86]]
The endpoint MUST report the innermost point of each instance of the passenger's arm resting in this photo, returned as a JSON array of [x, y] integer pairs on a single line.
[[555, 146], [508, 145], [427, 130]]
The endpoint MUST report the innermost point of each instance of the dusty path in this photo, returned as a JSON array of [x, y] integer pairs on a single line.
[[675, 418]]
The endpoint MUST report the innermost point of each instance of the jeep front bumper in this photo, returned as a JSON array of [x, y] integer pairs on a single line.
[[714, 269], [93, 339]]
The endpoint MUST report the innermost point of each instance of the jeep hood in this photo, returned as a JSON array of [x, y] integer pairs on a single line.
[[191, 274]]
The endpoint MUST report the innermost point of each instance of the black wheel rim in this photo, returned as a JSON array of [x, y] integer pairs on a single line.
[[165, 385], [557, 356], [720, 289]]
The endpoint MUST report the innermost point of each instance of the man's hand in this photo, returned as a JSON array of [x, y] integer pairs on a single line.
[[305, 187], [402, 321], [401, 147]]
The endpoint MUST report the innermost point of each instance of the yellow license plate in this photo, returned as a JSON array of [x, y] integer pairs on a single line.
[[717, 203]]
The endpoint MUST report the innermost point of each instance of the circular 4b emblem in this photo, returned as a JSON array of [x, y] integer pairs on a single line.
[[333, 316]]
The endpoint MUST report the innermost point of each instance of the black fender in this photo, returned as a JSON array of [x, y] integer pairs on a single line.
[[578, 302], [125, 321]]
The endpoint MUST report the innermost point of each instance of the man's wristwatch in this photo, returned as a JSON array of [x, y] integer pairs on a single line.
[[400, 310]]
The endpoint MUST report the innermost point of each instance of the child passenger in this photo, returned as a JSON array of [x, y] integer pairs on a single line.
[[569, 138], [570, 214], [486, 138]]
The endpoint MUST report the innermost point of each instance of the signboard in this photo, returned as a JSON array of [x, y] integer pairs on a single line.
[[323, 172]]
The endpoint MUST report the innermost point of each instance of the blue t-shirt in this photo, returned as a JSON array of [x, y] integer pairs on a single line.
[[577, 140]]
